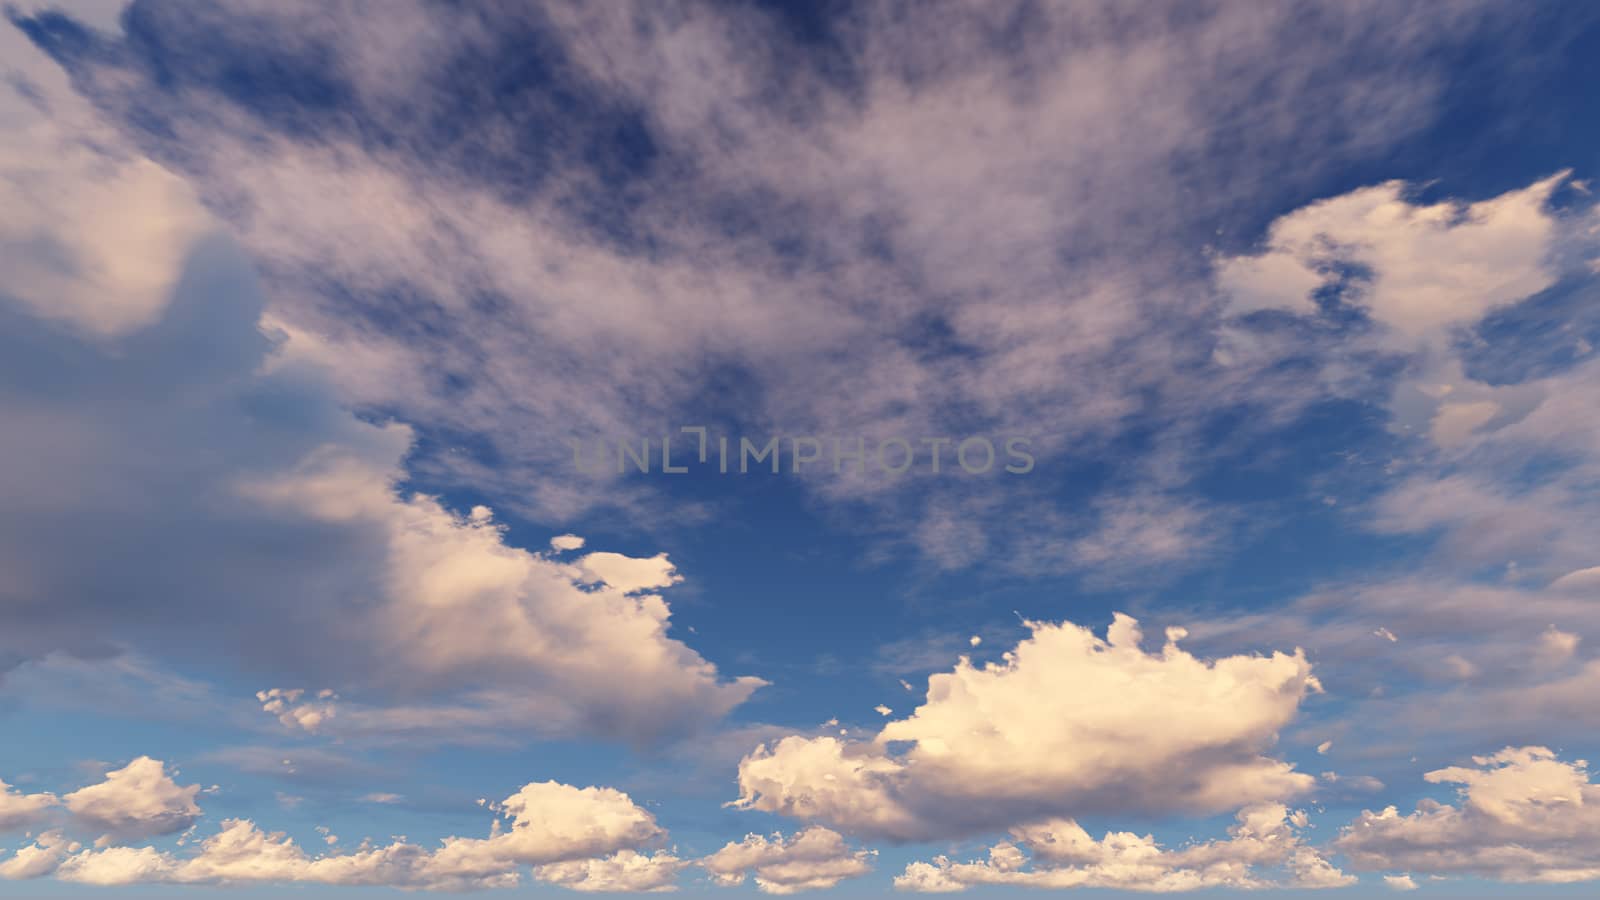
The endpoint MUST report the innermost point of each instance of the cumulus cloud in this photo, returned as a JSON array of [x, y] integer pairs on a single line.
[[564, 542], [39, 858], [812, 859], [627, 574], [1065, 723], [19, 810], [139, 800], [1263, 849], [626, 871], [463, 603], [286, 705], [1525, 815], [581, 838]]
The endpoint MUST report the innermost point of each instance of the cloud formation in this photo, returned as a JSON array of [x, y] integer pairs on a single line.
[[1064, 724], [812, 859], [139, 800], [583, 838], [1263, 849], [1525, 815]]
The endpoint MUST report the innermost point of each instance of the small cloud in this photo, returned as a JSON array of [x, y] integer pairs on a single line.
[[975, 640], [1386, 634], [564, 542], [1324, 747], [1399, 882], [1556, 646], [882, 710], [381, 797]]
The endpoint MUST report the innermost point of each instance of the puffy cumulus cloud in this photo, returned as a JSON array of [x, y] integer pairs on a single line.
[[39, 858], [550, 823], [19, 810], [308, 716], [581, 838], [561, 543], [464, 604], [1263, 849], [812, 859], [1525, 815], [139, 800], [626, 871], [627, 574], [1065, 723]]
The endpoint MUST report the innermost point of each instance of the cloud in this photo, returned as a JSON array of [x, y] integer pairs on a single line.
[[1064, 724], [626, 871], [39, 858], [1062, 855], [95, 234], [579, 837], [1431, 267], [627, 574], [139, 800], [19, 810], [564, 542], [812, 859], [1525, 815], [430, 230], [286, 705], [251, 480]]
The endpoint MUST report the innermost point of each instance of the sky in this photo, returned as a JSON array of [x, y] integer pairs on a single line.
[[747, 448]]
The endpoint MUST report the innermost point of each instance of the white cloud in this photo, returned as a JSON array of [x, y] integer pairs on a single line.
[[1399, 883], [19, 810], [139, 800], [1065, 723], [1524, 816], [628, 574], [1431, 267], [581, 838], [626, 871], [458, 600], [813, 859], [286, 705], [1062, 855], [564, 542], [39, 858]]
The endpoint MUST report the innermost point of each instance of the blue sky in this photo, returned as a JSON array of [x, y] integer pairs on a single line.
[[1292, 309]]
